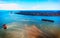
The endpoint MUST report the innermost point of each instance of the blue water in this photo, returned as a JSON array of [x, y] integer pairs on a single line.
[[7, 17], [11, 19]]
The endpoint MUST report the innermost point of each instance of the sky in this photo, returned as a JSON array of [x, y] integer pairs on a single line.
[[29, 4]]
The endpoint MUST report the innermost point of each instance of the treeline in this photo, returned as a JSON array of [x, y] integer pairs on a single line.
[[40, 13]]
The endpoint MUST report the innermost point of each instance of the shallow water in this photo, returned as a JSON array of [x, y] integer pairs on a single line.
[[16, 24], [16, 29]]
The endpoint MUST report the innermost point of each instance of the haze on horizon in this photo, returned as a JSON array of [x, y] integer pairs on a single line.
[[29, 4]]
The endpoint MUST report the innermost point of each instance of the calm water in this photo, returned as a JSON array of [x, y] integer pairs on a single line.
[[16, 23]]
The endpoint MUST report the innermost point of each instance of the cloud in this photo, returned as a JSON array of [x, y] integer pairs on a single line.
[[10, 7], [46, 6], [43, 6]]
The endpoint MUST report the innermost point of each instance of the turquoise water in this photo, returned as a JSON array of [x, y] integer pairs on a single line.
[[15, 21], [7, 17]]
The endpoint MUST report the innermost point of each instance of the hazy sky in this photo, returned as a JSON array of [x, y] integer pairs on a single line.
[[29, 4]]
